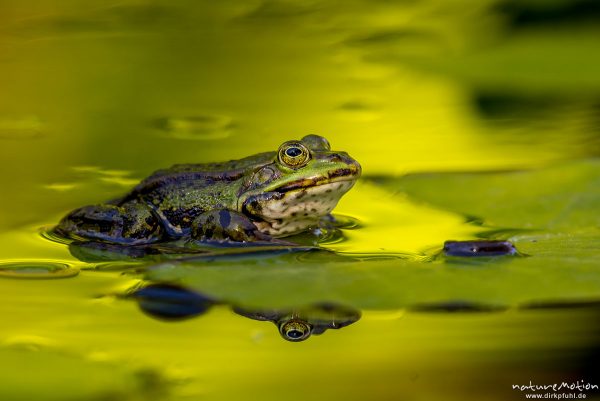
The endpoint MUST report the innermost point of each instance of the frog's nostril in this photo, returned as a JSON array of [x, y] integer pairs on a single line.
[[335, 158]]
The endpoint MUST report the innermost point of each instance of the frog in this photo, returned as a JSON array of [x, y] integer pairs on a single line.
[[263, 197]]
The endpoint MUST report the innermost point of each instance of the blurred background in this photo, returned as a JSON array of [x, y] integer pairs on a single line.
[[440, 101], [403, 86]]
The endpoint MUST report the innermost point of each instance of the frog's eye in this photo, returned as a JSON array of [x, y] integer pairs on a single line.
[[295, 330], [294, 154]]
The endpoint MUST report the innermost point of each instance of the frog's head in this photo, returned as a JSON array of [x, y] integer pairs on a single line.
[[303, 181]]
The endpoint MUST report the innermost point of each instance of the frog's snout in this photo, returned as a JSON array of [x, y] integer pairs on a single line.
[[354, 168]]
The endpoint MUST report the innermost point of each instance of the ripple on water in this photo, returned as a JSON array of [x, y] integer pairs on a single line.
[[359, 110], [20, 128], [37, 269], [197, 127]]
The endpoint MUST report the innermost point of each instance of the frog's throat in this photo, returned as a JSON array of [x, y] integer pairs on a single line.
[[296, 210]]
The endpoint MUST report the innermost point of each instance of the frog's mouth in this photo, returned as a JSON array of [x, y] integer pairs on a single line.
[[350, 173]]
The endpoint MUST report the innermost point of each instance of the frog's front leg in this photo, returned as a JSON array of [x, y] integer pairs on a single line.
[[226, 225], [131, 223]]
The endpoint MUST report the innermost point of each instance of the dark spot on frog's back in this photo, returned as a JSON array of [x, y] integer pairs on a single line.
[[224, 218]]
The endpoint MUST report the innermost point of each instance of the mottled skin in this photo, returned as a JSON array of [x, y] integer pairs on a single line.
[[272, 194]]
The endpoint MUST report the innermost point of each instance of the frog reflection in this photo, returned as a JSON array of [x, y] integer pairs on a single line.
[[300, 323], [172, 303], [95, 252]]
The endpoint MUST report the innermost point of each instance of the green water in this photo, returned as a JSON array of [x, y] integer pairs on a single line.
[[470, 120]]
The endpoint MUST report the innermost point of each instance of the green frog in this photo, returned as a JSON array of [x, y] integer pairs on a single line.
[[258, 198]]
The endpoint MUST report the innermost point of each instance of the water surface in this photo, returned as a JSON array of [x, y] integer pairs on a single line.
[[471, 121]]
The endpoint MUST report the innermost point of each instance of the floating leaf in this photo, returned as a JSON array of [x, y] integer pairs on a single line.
[[562, 197], [557, 268]]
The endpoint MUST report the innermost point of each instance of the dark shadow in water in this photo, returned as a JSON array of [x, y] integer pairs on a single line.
[[457, 306], [99, 253], [524, 116], [558, 304], [171, 302], [515, 106], [550, 14], [174, 303]]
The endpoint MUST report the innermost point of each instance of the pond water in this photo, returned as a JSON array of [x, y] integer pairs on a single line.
[[471, 122]]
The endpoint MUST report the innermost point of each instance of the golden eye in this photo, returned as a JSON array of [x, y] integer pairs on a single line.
[[295, 330], [293, 154]]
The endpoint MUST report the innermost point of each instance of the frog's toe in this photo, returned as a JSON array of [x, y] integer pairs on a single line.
[[226, 225]]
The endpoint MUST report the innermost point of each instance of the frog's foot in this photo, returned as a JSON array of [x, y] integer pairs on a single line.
[[132, 223], [226, 225]]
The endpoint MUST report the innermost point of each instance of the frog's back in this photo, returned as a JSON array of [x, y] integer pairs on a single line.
[[201, 175], [182, 192]]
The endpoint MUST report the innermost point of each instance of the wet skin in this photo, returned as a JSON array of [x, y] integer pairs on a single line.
[[258, 198]]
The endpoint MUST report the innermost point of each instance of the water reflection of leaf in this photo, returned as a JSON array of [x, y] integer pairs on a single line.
[[197, 127]]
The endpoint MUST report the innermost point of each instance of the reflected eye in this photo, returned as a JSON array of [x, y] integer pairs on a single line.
[[293, 154], [295, 330]]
